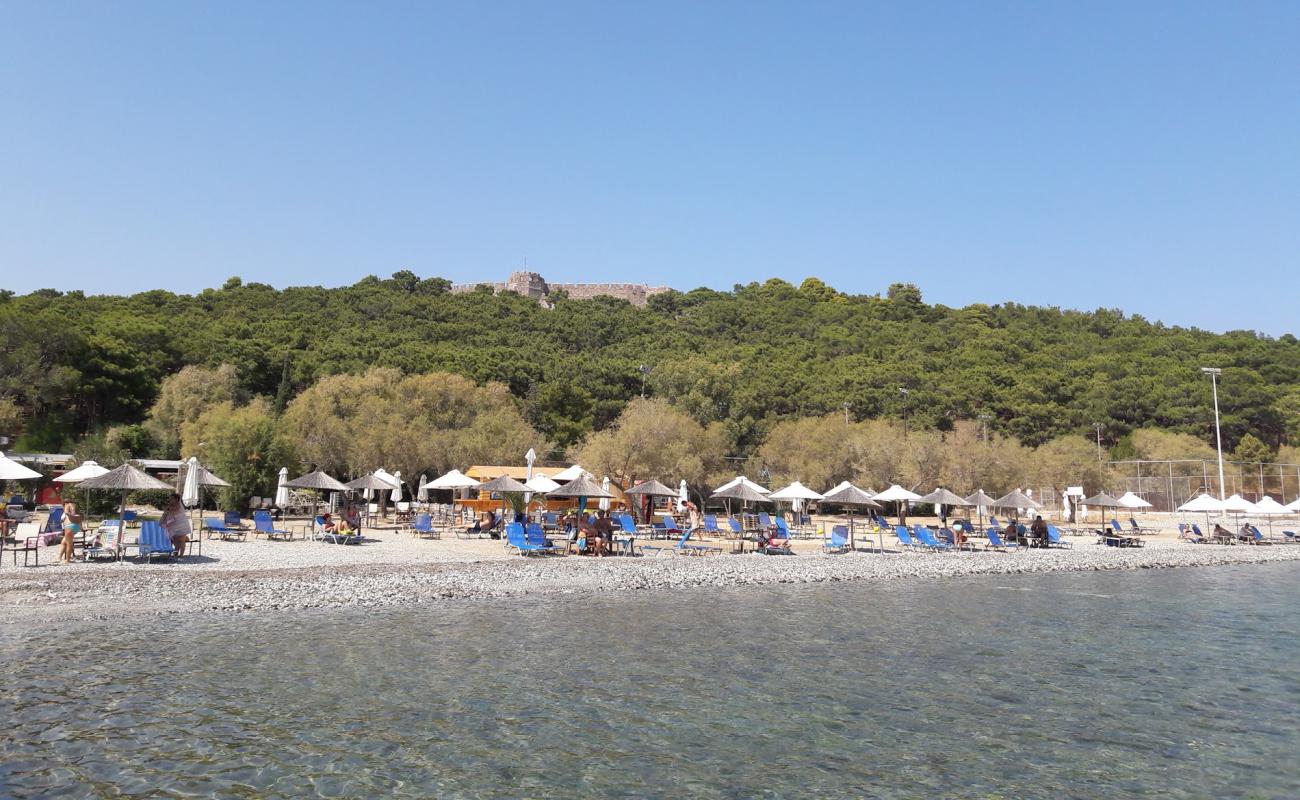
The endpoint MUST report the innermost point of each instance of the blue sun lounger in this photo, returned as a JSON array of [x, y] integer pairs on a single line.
[[683, 547], [1054, 538], [996, 543], [263, 525], [838, 541], [927, 539], [154, 541], [905, 539]]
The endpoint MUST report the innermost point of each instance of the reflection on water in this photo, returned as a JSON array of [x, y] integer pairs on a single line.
[[1176, 683]]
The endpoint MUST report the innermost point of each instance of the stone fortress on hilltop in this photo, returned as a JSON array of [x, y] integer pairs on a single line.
[[531, 284]]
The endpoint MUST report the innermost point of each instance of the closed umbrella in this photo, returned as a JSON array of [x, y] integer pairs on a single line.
[[282, 498], [846, 494], [683, 494], [398, 488], [604, 487], [190, 490], [125, 479], [422, 491]]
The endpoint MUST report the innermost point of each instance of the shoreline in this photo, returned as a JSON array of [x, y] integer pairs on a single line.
[[107, 592]]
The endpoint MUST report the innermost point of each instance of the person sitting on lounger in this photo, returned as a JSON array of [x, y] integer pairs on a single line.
[[1221, 533], [351, 522], [1039, 531], [1012, 534], [327, 523]]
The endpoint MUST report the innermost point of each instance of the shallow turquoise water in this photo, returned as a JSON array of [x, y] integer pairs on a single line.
[[1174, 683]]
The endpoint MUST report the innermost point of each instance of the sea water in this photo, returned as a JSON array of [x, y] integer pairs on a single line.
[[1172, 683]]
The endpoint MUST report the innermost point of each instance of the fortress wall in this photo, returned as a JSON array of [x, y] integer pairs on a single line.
[[530, 284]]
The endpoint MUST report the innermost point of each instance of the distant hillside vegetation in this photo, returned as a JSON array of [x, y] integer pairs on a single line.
[[764, 352]]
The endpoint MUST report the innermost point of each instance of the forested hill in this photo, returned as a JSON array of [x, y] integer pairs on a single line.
[[750, 357]]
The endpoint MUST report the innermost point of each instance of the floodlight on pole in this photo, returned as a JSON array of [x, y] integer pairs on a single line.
[[1214, 373]]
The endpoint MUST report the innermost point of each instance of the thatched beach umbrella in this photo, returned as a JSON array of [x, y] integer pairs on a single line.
[[126, 478], [372, 482], [846, 494], [317, 481], [942, 497], [981, 501], [1101, 500], [503, 485], [650, 490], [1016, 500], [583, 488]]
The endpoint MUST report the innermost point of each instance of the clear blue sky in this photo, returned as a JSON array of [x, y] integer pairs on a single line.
[[1142, 155]]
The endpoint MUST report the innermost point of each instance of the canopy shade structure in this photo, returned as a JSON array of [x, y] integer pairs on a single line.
[[980, 499], [737, 480], [1294, 505], [1102, 500], [1238, 505], [846, 494], [1130, 500], [744, 491], [541, 484], [1202, 502], [795, 491], [127, 478], [580, 487], [652, 488], [453, 480], [505, 483], [944, 497], [87, 469], [317, 480], [896, 493], [572, 473], [11, 470], [1016, 499], [372, 482]]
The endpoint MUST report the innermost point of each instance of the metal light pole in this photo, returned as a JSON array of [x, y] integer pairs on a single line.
[[847, 406], [1098, 426], [984, 427], [1214, 373], [905, 395], [645, 370]]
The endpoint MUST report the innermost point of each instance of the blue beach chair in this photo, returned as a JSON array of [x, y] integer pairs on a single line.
[[213, 525], [838, 542], [262, 524], [154, 541], [683, 547], [1054, 538], [996, 543], [905, 539], [927, 539], [422, 525]]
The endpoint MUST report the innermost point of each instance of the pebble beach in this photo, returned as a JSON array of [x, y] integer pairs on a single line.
[[394, 569]]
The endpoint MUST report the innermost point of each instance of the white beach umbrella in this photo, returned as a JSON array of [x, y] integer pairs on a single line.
[[541, 484], [1203, 503], [1293, 506], [572, 473], [87, 469], [1268, 507], [1131, 501], [11, 470], [795, 491], [739, 479], [453, 480], [190, 492], [604, 487], [398, 488], [282, 496], [1237, 504], [897, 494], [422, 491], [683, 495]]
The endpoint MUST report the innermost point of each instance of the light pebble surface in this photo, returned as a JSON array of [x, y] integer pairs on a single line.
[[395, 569]]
